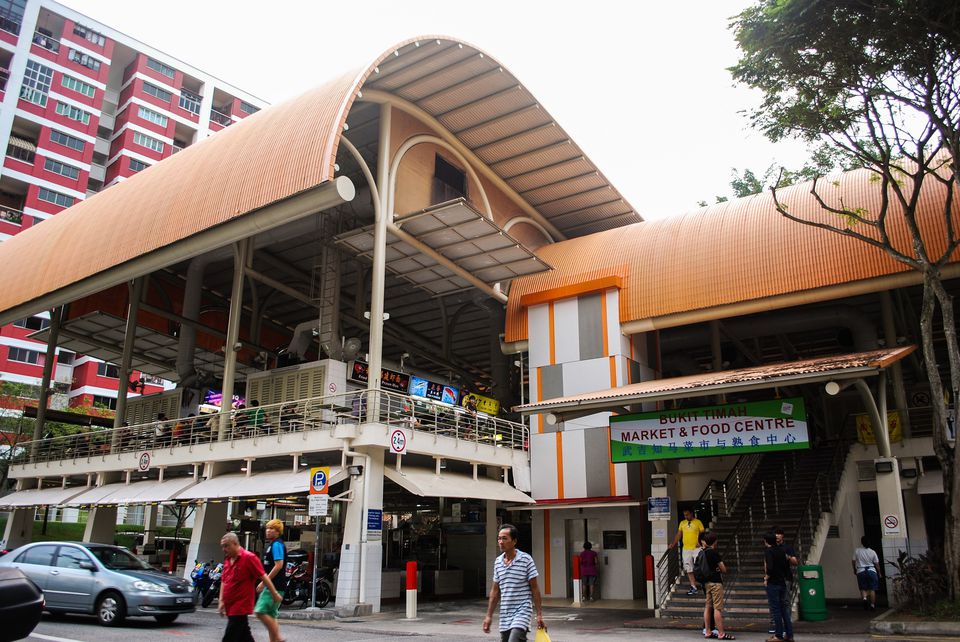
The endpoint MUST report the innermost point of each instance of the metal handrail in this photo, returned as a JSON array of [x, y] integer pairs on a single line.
[[220, 118], [667, 572], [275, 420]]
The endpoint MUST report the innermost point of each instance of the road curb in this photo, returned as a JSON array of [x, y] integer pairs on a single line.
[[887, 624]]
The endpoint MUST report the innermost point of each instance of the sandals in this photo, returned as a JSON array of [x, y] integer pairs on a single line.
[[726, 636]]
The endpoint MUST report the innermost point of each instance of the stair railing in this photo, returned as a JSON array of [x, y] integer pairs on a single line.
[[722, 498]]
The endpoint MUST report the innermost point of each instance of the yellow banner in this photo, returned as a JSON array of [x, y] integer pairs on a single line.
[[484, 404], [865, 433]]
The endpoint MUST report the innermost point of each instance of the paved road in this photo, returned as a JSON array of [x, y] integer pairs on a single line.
[[462, 627]]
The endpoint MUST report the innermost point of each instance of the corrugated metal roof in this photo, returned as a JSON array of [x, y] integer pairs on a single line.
[[732, 252], [291, 147], [843, 366]]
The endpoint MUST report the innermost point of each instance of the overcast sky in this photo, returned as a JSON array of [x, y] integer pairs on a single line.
[[641, 86]]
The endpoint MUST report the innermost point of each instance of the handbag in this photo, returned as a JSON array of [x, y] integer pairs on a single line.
[[541, 636]]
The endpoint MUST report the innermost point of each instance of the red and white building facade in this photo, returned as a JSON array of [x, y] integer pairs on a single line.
[[83, 108]]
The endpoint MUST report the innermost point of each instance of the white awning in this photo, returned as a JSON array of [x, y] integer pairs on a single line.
[[271, 484], [141, 492], [93, 495], [40, 496], [426, 483], [930, 483]]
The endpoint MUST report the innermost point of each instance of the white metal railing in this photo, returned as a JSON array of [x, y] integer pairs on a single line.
[[220, 118], [311, 414], [47, 42]]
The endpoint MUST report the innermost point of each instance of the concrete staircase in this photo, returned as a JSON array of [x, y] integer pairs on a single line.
[[780, 493]]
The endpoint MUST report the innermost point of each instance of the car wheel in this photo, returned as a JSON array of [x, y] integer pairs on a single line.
[[110, 609], [166, 618]]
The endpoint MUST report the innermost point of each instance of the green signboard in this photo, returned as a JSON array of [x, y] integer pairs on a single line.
[[731, 429]]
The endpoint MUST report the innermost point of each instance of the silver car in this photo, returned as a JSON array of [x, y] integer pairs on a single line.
[[105, 580]]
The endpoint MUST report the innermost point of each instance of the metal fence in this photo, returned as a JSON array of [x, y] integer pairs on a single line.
[[260, 422]]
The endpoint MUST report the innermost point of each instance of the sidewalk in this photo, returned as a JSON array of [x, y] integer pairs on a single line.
[[611, 620]]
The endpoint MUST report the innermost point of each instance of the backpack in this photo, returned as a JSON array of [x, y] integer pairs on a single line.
[[701, 567]]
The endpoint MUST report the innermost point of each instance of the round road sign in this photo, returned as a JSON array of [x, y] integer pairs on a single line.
[[143, 462], [398, 442], [891, 522]]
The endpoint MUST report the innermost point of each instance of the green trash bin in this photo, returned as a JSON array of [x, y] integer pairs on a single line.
[[813, 600]]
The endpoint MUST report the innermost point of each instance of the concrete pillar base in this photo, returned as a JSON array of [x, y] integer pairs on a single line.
[[209, 525], [101, 525], [19, 530]]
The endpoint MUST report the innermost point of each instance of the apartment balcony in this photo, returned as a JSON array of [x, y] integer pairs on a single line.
[[46, 42], [12, 216], [9, 25], [4, 77], [220, 118]]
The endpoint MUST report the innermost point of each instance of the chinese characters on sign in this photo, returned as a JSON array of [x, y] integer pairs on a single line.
[[734, 429], [389, 379], [432, 390], [488, 405], [865, 434]]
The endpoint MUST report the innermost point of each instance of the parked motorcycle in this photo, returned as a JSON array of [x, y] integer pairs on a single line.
[[214, 575], [201, 578], [299, 572]]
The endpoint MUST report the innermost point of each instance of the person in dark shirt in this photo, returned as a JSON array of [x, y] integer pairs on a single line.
[[794, 561], [274, 560], [776, 573], [714, 587]]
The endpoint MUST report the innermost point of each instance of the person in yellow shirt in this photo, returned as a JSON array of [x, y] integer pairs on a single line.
[[690, 530]]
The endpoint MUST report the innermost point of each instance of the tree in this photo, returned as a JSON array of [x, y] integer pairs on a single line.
[[878, 82]]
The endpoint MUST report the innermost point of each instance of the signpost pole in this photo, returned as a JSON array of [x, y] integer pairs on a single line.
[[316, 562]]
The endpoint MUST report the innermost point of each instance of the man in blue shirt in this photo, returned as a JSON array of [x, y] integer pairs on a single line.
[[515, 588]]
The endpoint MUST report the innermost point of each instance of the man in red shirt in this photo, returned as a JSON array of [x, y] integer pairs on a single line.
[[242, 571]]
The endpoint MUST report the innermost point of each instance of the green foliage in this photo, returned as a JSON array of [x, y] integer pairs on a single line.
[[921, 580]]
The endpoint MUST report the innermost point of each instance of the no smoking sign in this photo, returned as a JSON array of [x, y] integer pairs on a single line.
[[398, 442], [891, 525]]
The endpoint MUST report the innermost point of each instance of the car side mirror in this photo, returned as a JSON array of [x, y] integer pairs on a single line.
[[88, 566]]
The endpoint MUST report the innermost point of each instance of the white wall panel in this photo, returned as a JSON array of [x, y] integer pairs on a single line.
[[574, 464], [586, 376], [538, 335], [566, 320], [543, 465]]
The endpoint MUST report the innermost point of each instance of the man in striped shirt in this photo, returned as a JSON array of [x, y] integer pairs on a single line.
[[515, 588]]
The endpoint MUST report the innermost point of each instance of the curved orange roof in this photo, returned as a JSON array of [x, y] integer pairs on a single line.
[[291, 147], [741, 250]]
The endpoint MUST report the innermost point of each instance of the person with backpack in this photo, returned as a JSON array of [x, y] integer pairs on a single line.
[[710, 568], [776, 571]]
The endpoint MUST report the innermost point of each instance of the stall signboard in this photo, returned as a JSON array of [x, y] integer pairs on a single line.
[[731, 429], [488, 405], [865, 434], [420, 387], [214, 397], [389, 379]]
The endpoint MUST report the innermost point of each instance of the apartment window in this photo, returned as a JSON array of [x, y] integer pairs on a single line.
[[73, 113], [148, 141], [67, 141], [156, 92], [20, 152], [158, 66], [11, 15], [449, 181], [22, 355], [152, 116], [247, 108], [190, 101], [57, 198], [66, 358], [61, 168], [36, 83], [99, 401], [85, 60], [105, 369], [78, 86], [32, 323], [89, 35], [138, 165]]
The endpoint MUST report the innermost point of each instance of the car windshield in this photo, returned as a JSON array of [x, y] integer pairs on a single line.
[[118, 559]]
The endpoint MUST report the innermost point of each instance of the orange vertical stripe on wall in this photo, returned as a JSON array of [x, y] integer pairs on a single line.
[[603, 322], [546, 551], [613, 471], [552, 334], [559, 465]]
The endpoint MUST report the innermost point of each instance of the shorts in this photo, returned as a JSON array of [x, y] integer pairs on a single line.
[[689, 556], [868, 580], [715, 595], [265, 604], [513, 635], [588, 580]]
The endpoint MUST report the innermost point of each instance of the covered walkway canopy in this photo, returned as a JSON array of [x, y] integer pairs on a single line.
[[267, 484], [426, 483], [844, 367]]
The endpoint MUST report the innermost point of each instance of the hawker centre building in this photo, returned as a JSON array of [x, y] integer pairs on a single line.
[[412, 277]]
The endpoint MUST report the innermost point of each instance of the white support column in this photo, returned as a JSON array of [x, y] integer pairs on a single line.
[[19, 530], [491, 549], [150, 524], [56, 317], [893, 526], [241, 255], [359, 579], [101, 525], [378, 274], [209, 525], [662, 530]]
